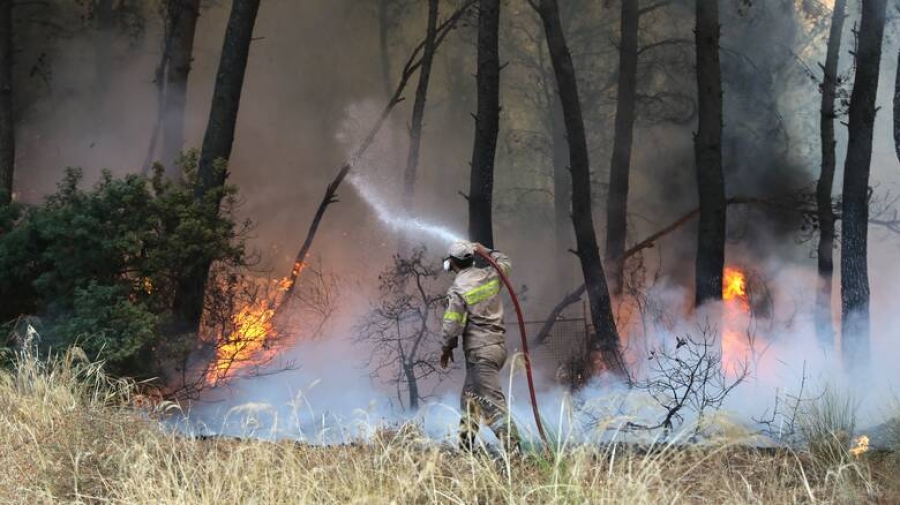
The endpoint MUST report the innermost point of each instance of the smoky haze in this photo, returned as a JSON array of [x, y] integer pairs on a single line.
[[314, 86]]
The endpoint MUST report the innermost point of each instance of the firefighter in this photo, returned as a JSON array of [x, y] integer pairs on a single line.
[[475, 312]]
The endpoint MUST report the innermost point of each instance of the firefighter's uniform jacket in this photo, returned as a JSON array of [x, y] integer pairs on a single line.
[[475, 313]]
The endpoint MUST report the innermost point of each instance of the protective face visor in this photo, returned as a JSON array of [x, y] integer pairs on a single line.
[[446, 264]]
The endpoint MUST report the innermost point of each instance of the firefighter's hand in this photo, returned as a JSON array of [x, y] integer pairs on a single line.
[[480, 248], [446, 357]]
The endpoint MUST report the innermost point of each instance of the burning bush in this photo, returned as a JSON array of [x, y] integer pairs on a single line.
[[101, 265]]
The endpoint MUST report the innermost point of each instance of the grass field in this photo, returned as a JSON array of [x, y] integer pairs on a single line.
[[69, 434]]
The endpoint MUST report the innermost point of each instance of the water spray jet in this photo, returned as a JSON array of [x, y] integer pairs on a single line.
[[444, 234]]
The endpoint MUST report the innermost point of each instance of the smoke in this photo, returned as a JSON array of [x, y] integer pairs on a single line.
[[314, 84]]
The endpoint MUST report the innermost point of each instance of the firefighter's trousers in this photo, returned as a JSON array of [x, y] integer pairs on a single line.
[[482, 397]]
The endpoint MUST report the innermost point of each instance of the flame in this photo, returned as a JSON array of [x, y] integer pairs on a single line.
[[247, 344], [734, 287], [862, 445], [736, 349], [252, 340]]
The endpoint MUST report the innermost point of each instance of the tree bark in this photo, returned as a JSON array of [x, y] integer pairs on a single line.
[[7, 119], [217, 143], [182, 24], [708, 153], [605, 340], [617, 202], [219, 137], [413, 386], [418, 114], [824, 188], [487, 124], [855, 211]]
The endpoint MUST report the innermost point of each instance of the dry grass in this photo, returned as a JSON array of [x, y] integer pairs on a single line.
[[69, 435]]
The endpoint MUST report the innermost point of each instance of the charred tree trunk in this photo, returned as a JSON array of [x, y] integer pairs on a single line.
[[217, 144], [708, 153], [824, 324], [412, 385], [219, 137], [606, 338], [182, 24], [418, 114], [855, 211], [7, 120], [487, 124], [617, 203]]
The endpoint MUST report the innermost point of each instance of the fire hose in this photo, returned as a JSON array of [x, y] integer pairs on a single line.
[[515, 300]]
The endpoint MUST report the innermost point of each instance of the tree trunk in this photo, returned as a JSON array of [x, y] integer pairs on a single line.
[[217, 145], [182, 23], [824, 324], [7, 119], [487, 124], [219, 137], [606, 337], [418, 114], [617, 203], [412, 385], [855, 212], [708, 153]]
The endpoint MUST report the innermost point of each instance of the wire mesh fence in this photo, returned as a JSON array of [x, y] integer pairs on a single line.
[[563, 352]]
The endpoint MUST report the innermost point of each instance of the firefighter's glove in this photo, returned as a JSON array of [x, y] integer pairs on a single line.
[[446, 357]]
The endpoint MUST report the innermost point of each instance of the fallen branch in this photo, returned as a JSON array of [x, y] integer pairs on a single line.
[[647, 243], [412, 65]]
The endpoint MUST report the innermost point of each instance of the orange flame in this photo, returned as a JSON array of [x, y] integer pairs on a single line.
[[247, 344], [735, 347], [862, 445], [734, 287]]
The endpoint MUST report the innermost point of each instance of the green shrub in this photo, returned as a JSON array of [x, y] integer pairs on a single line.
[[101, 266]]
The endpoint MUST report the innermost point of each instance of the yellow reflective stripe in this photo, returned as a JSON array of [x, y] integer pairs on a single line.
[[458, 317], [482, 293]]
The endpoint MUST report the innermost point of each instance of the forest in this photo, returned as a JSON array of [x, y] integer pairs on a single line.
[[225, 225]]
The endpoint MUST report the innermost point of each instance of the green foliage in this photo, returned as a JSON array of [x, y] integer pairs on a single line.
[[101, 265]]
